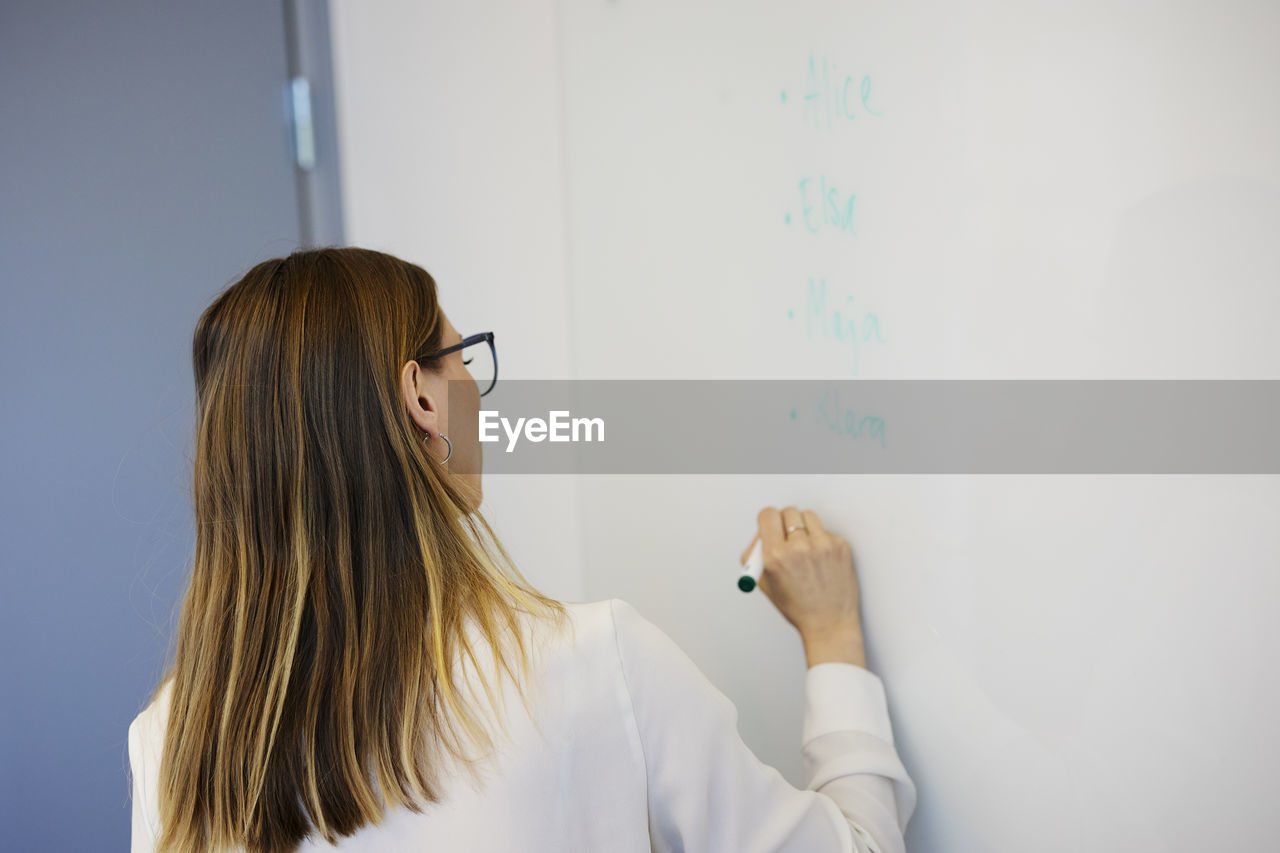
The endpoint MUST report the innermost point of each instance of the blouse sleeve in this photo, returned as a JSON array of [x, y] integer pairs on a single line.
[[709, 792]]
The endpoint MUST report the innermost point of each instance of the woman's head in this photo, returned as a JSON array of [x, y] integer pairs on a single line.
[[337, 562], [335, 349]]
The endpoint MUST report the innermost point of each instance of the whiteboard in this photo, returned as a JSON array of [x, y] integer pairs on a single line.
[[978, 190]]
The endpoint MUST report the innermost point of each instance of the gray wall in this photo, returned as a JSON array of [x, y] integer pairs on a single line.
[[145, 163]]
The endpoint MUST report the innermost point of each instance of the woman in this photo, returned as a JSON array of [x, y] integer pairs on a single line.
[[326, 677]]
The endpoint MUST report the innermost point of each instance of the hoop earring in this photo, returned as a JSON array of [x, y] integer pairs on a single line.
[[427, 437]]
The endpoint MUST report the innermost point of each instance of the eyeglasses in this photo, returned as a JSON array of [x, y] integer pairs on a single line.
[[478, 354]]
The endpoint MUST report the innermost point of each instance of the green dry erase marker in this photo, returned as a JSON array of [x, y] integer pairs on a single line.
[[752, 568]]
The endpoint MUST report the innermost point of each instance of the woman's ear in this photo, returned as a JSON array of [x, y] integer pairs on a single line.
[[422, 408]]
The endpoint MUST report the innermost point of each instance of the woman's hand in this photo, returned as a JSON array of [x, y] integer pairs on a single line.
[[809, 576]]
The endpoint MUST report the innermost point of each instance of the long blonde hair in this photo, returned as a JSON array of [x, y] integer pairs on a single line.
[[336, 566]]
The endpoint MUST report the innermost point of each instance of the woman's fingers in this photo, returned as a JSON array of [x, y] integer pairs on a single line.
[[792, 522], [770, 523], [811, 521]]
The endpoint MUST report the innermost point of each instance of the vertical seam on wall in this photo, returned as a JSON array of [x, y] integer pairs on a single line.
[[571, 306]]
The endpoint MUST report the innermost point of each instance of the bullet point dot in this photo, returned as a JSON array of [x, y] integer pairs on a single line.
[[787, 219], [784, 96], [793, 414], [790, 315]]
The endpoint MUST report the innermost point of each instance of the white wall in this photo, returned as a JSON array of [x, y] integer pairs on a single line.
[[448, 125]]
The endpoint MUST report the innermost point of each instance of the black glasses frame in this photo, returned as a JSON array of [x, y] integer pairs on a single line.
[[470, 340]]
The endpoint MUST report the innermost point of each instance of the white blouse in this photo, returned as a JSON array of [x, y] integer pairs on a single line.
[[634, 750]]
